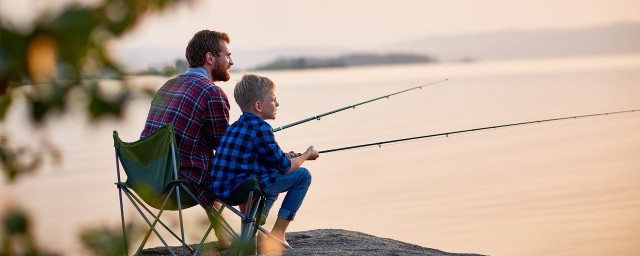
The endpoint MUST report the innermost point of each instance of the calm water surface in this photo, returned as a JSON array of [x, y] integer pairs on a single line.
[[562, 188]]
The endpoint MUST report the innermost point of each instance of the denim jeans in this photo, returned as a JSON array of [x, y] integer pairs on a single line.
[[296, 184]]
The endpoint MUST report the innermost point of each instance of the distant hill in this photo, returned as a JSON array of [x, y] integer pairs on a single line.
[[378, 59], [612, 39], [344, 61]]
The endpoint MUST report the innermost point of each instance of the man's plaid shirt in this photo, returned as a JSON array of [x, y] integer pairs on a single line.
[[247, 150], [199, 112]]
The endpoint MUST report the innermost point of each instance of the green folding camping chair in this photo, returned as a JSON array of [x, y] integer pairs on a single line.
[[151, 165]]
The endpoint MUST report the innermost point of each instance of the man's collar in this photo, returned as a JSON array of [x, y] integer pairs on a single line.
[[200, 71]]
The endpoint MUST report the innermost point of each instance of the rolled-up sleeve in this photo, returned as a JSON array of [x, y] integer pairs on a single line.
[[269, 151]]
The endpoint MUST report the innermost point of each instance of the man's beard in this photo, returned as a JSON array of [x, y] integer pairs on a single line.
[[220, 74]]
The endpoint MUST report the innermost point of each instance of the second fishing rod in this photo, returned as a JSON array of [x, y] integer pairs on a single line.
[[447, 134], [317, 117]]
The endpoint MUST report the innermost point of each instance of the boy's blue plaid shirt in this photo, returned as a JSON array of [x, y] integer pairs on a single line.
[[247, 150]]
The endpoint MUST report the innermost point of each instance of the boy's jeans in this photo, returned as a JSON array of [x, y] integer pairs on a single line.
[[296, 184]]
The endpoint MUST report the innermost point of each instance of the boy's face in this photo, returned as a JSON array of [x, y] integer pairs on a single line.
[[269, 105]]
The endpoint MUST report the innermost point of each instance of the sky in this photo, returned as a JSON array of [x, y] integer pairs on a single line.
[[352, 24], [261, 24]]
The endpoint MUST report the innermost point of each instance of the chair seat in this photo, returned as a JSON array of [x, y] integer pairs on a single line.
[[241, 194], [156, 200]]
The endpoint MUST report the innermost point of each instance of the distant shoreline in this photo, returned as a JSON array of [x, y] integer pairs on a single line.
[[349, 60]]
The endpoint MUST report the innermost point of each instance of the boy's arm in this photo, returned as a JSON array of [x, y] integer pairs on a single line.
[[274, 157], [268, 151], [310, 154]]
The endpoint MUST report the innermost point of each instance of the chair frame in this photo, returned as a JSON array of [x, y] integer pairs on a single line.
[[249, 226]]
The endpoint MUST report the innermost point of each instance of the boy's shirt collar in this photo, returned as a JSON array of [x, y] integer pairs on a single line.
[[248, 116]]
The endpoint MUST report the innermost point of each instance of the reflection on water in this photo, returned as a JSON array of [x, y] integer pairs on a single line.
[[562, 188]]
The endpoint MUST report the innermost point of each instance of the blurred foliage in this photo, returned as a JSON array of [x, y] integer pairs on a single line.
[[22, 159], [60, 54], [16, 238], [63, 53], [107, 241]]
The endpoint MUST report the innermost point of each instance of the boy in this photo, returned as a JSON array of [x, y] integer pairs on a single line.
[[248, 150]]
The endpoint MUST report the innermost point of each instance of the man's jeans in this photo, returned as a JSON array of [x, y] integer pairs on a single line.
[[296, 184]]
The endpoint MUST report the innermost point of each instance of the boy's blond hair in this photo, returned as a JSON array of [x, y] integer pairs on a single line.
[[250, 89]]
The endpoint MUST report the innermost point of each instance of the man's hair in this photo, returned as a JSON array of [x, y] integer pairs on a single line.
[[250, 89], [203, 42]]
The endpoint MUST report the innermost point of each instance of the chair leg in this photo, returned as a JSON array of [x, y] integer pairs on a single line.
[[159, 221], [156, 220], [247, 221], [226, 225], [218, 217], [257, 215], [249, 226], [152, 226], [203, 239], [243, 229], [124, 228], [215, 214], [184, 249], [218, 213], [252, 226]]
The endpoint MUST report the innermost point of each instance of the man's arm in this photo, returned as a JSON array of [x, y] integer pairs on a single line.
[[217, 118]]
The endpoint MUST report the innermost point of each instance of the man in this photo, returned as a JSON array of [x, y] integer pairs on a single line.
[[198, 110]]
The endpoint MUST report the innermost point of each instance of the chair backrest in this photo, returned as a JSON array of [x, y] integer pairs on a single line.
[[149, 165]]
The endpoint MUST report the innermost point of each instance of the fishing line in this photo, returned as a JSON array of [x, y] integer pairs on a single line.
[[317, 117], [447, 134]]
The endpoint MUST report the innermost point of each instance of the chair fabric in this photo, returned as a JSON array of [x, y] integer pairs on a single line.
[[148, 164]]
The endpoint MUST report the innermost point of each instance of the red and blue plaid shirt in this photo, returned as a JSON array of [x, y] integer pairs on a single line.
[[247, 150], [199, 112]]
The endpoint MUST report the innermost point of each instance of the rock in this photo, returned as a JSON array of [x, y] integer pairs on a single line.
[[329, 242]]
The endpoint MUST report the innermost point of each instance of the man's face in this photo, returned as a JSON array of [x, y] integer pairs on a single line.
[[222, 64]]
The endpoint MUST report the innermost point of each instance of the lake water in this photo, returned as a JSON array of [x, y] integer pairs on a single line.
[[561, 188]]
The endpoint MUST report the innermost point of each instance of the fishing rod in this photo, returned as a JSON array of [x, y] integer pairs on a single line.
[[446, 134], [317, 117]]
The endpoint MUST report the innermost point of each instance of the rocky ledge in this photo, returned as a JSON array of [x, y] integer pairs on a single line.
[[330, 242]]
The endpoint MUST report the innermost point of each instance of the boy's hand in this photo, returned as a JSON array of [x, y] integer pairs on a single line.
[[293, 154], [312, 153]]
